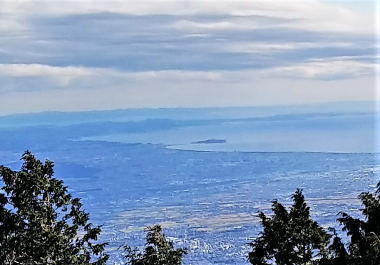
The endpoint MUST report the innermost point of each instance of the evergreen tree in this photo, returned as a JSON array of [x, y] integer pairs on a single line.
[[289, 237], [364, 245], [158, 250], [337, 252], [41, 223]]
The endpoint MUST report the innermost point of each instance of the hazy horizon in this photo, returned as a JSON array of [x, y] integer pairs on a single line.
[[371, 106]]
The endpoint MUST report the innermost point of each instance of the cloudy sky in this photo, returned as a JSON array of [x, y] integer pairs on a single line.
[[109, 54]]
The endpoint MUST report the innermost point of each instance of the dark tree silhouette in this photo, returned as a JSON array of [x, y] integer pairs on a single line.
[[364, 245], [158, 250], [289, 237], [41, 223], [294, 238]]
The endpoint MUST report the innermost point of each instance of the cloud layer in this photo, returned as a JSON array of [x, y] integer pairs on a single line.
[[93, 54]]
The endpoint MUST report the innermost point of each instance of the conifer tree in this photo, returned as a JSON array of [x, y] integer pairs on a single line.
[[289, 237], [158, 250], [41, 223], [364, 245]]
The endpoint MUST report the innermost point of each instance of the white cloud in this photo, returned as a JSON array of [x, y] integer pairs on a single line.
[[271, 47], [305, 14], [188, 25], [20, 70], [62, 75], [327, 69], [72, 78]]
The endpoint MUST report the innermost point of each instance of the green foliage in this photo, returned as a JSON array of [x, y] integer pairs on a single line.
[[289, 237], [158, 250], [40, 222], [337, 252], [364, 245]]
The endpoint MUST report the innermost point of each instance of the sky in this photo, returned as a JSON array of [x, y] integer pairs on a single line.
[[118, 54]]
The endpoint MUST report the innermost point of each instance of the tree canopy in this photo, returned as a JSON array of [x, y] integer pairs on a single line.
[[158, 250], [293, 238], [364, 245], [289, 237], [41, 223]]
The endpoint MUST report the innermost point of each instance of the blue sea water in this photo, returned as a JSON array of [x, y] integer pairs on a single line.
[[343, 133], [205, 173]]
